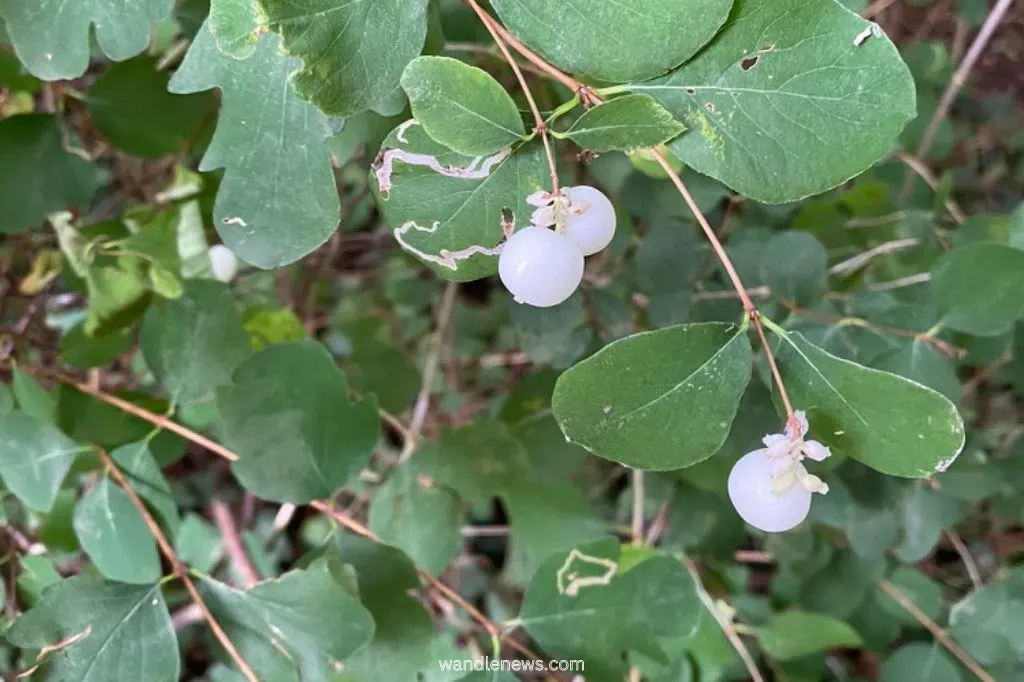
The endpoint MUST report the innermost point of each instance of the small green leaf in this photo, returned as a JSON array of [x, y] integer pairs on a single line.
[[33, 399], [31, 147], [51, 37], [353, 53], [34, 459], [795, 266], [657, 400], [84, 352], [788, 100], [114, 535], [614, 41], [198, 543], [978, 288], [314, 619], [461, 106], [925, 593], [793, 634], [920, 661], [278, 200], [986, 623], [383, 369], [288, 415], [144, 475], [195, 342], [585, 604], [419, 517], [130, 105], [267, 326], [446, 208], [624, 124], [120, 632], [890, 423]]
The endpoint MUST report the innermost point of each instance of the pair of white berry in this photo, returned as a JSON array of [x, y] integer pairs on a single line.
[[542, 266], [770, 488]]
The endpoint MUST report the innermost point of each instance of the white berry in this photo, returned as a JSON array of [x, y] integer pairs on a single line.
[[540, 266], [591, 219], [750, 489], [223, 263]]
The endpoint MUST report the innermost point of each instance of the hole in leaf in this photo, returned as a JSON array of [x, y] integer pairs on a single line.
[[749, 63], [691, 91], [710, 107]]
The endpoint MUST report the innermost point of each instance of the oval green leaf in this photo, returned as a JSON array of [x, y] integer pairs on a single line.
[[115, 536], [979, 286], [657, 400], [624, 124], [794, 634]]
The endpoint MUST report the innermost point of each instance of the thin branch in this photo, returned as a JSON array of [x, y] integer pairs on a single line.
[[233, 546], [908, 281], [855, 263], [965, 555], [637, 527], [179, 569], [422, 406], [727, 627], [941, 635], [959, 79], [917, 166]]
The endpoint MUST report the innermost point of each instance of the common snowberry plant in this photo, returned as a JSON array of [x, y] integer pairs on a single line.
[[362, 340]]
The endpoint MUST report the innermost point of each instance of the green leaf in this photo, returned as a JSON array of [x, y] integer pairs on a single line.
[[446, 208], [986, 623], [51, 37], [267, 326], [386, 371], [237, 26], [978, 286], [34, 459], [278, 200], [193, 343], [314, 618], [31, 147], [198, 543], [6, 401], [624, 124], [585, 604], [925, 593], [402, 641], [143, 473], [920, 362], [919, 661], [130, 105], [556, 336], [614, 41], [795, 266], [78, 349], [890, 423], [793, 634], [114, 535], [288, 415], [461, 106], [419, 517], [33, 399], [657, 400], [122, 632], [353, 53], [789, 100]]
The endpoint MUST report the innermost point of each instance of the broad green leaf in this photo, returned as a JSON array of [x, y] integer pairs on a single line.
[[31, 147], [611, 40], [584, 604], [114, 535], [624, 124], [51, 37], [419, 517], [890, 423], [446, 208], [198, 543], [986, 623], [314, 619], [978, 287], [461, 106], [795, 266], [277, 201], [924, 515], [352, 53], [34, 459], [144, 475], [793, 97], [403, 637], [793, 634], [194, 343], [657, 400], [919, 661], [288, 415], [383, 369], [130, 105], [246, 627], [110, 631], [33, 399]]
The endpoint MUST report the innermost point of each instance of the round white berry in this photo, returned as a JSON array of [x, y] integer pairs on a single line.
[[750, 489], [223, 263], [591, 219], [540, 266]]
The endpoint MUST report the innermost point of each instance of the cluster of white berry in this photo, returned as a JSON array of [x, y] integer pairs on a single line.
[[542, 264], [770, 488]]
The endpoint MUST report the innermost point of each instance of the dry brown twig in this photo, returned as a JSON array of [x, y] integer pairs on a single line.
[[233, 546]]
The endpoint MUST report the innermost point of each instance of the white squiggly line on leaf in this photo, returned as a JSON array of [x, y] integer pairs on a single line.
[[570, 583], [445, 258]]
